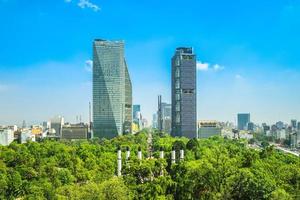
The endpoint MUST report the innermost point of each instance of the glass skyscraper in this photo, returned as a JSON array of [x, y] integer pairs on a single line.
[[112, 90], [184, 111], [243, 120]]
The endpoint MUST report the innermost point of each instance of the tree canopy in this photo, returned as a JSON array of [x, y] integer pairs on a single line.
[[213, 168]]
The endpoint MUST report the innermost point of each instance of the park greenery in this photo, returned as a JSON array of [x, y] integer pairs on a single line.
[[214, 168]]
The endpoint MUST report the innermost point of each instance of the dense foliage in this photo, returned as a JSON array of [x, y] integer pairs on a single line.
[[213, 168]]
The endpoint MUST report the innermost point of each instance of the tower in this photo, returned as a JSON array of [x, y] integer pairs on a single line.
[[112, 90], [184, 110]]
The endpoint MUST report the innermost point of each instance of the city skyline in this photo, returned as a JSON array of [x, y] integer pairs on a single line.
[[239, 70]]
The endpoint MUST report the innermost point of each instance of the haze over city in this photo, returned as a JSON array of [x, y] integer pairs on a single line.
[[247, 63]]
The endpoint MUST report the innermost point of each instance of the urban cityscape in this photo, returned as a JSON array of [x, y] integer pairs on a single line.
[[117, 149]]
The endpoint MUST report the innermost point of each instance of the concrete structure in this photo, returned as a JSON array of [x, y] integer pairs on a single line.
[[137, 116], [250, 126], [75, 131], [280, 125], [56, 123], [184, 77], [6, 136], [243, 119], [119, 157], [154, 121], [112, 90], [135, 110], [164, 113], [173, 156], [294, 124], [26, 136], [208, 128], [139, 154]]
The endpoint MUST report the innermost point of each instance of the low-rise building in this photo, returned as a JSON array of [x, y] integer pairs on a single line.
[[26, 135], [6, 136], [208, 128], [75, 131]]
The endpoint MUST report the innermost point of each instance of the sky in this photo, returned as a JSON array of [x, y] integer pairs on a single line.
[[247, 54]]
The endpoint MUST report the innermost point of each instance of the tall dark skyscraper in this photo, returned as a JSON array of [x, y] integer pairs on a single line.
[[184, 77], [243, 119], [112, 90]]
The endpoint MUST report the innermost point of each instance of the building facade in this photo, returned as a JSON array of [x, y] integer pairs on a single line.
[[112, 90], [56, 124], [243, 119], [184, 77], [6, 136], [75, 131], [208, 129]]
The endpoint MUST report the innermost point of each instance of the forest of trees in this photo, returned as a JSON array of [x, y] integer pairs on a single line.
[[214, 168]]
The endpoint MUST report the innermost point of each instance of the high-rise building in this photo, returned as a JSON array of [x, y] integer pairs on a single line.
[[298, 125], [154, 120], [250, 126], [137, 116], [166, 110], [243, 120], [56, 124], [184, 111], [294, 123], [112, 90], [135, 109], [280, 125]]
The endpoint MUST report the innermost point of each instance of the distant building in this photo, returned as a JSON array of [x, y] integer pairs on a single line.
[[294, 124], [243, 120], [75, 131], [137, 116], [164, 112], [112, 90], [14, 128], [56, 124], [26, 136], [144, 122], [135, 110], [166, 117], [6, 136], [280, 125], [154, 120], [184, 78], [46, 125], [250, 126], [36, 130], [208, 129], [265, 127]]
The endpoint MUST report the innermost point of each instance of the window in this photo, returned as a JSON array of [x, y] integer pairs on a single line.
[[177, 61], [177, 84], [177, 72], [177, 96], [177, 118], [177, 107]]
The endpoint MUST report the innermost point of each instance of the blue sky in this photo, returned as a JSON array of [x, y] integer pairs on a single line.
[[247, 51]]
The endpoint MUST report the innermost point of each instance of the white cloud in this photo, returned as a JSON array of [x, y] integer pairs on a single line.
[[203, 66], [238, 76], [88, 65], [85, 4], [218, 67], [88, 4]]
